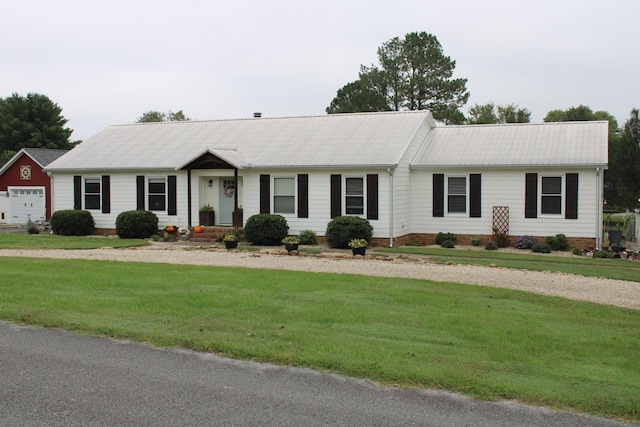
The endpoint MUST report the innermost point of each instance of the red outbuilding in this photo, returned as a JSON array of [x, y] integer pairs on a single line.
[[25, 190]]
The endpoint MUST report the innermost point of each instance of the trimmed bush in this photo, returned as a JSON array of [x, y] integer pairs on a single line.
[[491, 246], [443, 237], [308, 237], [136, 224], [603, 254], [526, 242], [558, 242], [502, 240], [341, 230], [266, 229], [577, 251], [72, 223], [448, 244], [541, 249]]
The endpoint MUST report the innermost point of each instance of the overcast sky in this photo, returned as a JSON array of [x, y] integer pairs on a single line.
[[108, 62]]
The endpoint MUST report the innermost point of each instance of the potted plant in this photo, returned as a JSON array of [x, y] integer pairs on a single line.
[[238, 217], [358, 246], [207, 215], [230, 241], [475, 241], [291, 243], [184, 232]]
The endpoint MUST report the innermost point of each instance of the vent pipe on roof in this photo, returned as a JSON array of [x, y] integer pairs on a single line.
[[257, 115]]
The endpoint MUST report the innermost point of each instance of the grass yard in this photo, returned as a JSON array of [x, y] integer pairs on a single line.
[[24, 240], [610, 268], [487, 343]]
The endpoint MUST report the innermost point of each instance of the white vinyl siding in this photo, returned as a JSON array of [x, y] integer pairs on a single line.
[[284, 195]]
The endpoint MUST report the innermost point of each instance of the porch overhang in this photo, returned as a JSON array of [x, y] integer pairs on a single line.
[[215, 158]]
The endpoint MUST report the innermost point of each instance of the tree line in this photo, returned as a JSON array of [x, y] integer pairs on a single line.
[[412, 73]]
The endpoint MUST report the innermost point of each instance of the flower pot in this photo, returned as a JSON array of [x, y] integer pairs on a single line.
[[358, 251], [207, 218], [230, 244], [475, 242], [291, 246]]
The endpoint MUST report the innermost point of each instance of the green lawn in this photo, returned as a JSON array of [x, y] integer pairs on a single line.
[[24, 240], [484, 342], [610, 268]]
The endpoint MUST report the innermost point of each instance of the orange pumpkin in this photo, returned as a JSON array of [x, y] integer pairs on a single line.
[[197, 229], [170, 229]]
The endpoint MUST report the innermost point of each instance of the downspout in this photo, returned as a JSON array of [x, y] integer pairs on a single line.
[[600, 201], [189, 197], [391, 223]]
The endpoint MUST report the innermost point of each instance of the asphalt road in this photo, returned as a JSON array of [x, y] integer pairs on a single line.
[[51, 377]]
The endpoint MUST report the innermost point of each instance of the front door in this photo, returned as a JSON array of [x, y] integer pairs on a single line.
[[227, 200]]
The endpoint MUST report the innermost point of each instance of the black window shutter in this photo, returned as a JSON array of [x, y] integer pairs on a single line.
[[303, 195], [77, 192], [571, 201], [106, 194], [140, 192], [438, 194], [475, 195], [531, 196], [336, 195], [172, 195], [372, 196], [265, 194]]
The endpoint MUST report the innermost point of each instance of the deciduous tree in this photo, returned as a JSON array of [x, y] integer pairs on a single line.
[[157, 116]]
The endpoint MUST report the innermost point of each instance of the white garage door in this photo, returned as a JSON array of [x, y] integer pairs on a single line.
[[24, 202]]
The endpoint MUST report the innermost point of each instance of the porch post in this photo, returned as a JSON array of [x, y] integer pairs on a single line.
[[189, 197], [235, 193]]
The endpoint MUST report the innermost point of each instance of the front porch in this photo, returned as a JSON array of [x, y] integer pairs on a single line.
[[212, 234]]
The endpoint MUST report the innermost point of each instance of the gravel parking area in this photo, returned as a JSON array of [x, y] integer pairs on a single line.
[[599, 290]]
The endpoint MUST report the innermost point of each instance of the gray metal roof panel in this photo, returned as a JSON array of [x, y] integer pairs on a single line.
[[337, 139], [528, 144]]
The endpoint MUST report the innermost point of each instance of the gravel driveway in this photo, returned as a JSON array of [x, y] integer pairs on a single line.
[[603, 291]]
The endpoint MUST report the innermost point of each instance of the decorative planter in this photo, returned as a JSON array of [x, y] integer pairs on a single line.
[[475, 242], [358, 251], [291, 246], [238, 219], [230, 244], [207, 218]]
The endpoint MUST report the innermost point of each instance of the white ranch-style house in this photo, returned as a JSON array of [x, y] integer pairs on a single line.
[[409, 177]]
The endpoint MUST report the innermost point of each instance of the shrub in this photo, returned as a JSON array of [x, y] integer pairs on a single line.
[[72, 223], [341, 230], [443, 237], [541, 249], [448, 244], [308, 237], [558, 242], [602, 254], [577, 251], [32, 228], [502, 240], [526, 242], [491, 246], [136, 224], [266, 229]]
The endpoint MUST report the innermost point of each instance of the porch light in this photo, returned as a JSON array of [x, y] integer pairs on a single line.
[[210, 183]]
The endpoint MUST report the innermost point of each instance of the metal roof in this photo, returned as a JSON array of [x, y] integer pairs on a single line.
[[332, 140], [524, 144]]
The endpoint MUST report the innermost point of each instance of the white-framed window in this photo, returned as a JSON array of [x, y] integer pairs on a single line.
[[354, 196], [92, 193], [157, 200], [284, 195], [457, 194], [551, 195]]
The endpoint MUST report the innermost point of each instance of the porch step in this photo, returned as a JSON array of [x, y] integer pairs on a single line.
[[210, 234]]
